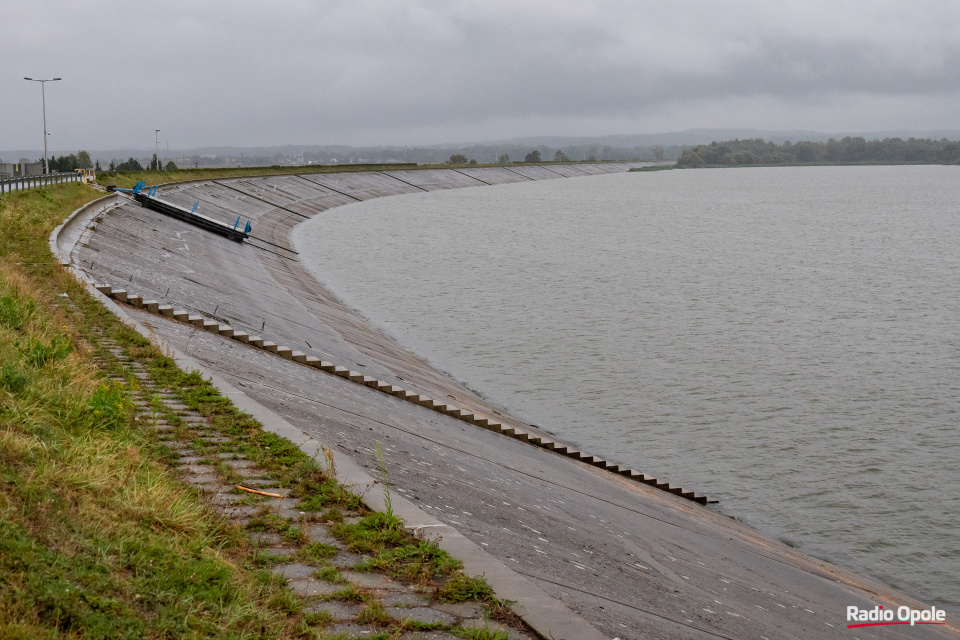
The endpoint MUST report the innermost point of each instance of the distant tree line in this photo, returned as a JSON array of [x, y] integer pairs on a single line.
[[532, 157], [484, 154], [844, 151], [72, 162], [82, 160], [132, 164]]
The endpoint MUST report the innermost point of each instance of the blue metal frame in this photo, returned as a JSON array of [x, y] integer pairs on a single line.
[[149, 199]]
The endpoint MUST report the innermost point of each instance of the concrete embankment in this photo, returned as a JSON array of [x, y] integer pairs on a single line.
[[633, 561]]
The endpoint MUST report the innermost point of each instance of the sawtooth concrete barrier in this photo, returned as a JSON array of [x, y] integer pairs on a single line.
[[121, 295]]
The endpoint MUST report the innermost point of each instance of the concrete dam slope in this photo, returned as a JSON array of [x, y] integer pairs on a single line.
[[633, 561]]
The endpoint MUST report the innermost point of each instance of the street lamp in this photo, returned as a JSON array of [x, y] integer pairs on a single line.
[[43, 95], [157, 134]]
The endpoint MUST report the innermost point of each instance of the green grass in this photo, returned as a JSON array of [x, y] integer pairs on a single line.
[[98, 536], [411, 561], [350, 594], [330, 574], [374, 614], [372, 534], [484, 633], [317, 551], [461, 588]]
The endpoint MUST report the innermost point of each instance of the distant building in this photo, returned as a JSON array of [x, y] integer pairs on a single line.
[[21, 169]]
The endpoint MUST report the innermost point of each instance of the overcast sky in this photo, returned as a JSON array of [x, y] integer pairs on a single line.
[[419, 72]]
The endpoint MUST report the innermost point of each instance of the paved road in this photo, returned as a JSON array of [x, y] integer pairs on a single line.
[[634, 561]]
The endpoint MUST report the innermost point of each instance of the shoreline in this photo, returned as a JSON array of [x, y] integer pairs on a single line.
[[370, 349], [425, 317]]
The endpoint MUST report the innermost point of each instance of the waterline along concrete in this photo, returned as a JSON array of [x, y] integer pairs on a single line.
[[460, 414], [544, 614], [632, 560]]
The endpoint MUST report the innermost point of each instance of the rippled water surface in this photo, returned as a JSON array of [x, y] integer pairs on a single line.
[[786, 340]]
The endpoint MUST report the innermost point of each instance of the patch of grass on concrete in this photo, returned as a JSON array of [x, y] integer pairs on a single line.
[[268, 521], [319, 492], [409, 624], [350, 594], [318, 618], [372, 534], [317, 551], [413, 561], [331, 575], [344, 636], [461, 588], [374, 614], [482, 633], [294, 535], [286, 462]]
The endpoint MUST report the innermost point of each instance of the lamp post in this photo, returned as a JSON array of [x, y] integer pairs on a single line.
[[43, 95], [157, 135]]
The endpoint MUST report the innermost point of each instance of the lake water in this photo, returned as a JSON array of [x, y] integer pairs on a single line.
[[786, 340]]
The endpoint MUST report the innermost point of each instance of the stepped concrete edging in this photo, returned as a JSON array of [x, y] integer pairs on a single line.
[[212, 326], [547, 616], [74, 228]]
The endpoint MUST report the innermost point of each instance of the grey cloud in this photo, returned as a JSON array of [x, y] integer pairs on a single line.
[[367, 72]]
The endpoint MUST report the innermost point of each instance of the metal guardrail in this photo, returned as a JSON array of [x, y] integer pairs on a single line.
[[9, 185]]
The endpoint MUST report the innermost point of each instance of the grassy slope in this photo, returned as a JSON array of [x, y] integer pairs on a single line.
[[98, 537]]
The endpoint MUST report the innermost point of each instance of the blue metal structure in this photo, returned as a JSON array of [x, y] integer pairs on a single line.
[[147, 197]]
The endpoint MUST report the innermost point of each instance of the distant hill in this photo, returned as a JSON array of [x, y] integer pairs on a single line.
[[706, 136], [618, 146]]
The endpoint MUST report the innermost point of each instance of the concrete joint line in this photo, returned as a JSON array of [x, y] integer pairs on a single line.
[[272, 204], [317, 184], [409, 184], [547, 616]]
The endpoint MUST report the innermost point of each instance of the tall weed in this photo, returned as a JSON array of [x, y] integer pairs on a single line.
[[15, 315], [108, 407], [13, 379], [38, 354]]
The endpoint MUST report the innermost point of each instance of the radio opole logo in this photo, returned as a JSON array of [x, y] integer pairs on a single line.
[[879, 616]]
